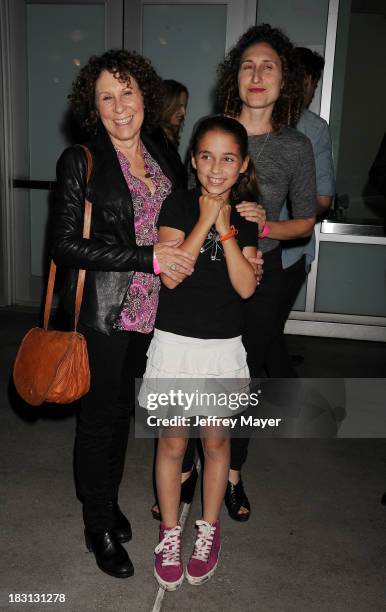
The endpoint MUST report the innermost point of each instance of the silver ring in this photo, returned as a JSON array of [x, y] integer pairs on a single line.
[[173, 267]]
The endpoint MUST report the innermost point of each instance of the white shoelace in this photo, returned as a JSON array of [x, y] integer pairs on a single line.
[[170, 546], [204, 541]]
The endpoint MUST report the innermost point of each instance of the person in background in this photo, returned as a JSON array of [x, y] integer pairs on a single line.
[[115, 97], [313, 65], [377, 172], [170, 122], [173, 111], [297, 255], [317, 130]]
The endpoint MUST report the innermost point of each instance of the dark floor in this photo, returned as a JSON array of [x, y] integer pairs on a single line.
[[315, 541]]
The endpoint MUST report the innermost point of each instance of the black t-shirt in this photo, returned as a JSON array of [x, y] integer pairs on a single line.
[[204, 305]]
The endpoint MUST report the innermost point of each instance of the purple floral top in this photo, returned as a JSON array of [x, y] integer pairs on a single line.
[[141, 301]]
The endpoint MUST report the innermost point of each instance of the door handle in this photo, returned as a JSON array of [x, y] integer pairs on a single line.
[[33, 184]]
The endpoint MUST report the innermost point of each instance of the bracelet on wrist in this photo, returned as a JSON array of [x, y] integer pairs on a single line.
[[264, 232], [156, 268], [232, 232]]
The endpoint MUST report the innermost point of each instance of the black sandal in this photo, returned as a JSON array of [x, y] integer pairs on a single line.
[[187, 492], [235, 497]]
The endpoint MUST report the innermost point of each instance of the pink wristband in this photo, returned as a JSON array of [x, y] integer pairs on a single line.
[[264, 232], [156, 268]]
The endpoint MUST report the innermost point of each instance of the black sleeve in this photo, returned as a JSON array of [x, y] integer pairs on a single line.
[[173, 211], [247, 231], [69, 248]]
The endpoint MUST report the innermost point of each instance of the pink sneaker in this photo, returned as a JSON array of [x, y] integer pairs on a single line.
[[168, 568], [204, 559]]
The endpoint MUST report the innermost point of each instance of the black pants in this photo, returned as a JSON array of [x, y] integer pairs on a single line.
[[265, 315], [278, 363], [104, 419]]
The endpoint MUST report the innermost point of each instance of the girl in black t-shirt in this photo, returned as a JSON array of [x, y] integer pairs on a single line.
[[198, 330]]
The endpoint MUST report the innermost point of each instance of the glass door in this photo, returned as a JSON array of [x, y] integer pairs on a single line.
[[47, 43], [43, 44]]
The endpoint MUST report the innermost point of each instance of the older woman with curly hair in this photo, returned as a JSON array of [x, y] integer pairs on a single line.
[[261, 84], [116, 97]]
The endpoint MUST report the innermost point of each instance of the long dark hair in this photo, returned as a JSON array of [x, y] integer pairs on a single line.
[[171, 91], [288, 106], [246, 187]]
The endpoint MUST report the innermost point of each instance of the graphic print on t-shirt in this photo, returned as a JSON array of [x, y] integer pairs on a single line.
[[205, 305], [212, 242]]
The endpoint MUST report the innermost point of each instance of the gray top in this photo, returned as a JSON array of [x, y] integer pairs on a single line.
[[316, 129], [285, 167]]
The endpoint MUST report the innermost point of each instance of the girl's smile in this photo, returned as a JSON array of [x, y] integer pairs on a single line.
[[218, 163]]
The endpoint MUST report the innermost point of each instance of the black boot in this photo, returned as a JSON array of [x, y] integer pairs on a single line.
[[121, 527], [109, 553]]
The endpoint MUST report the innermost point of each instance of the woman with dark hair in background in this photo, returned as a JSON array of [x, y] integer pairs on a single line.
[[173, 110], [260, 84], [170, 122], [115, 96]]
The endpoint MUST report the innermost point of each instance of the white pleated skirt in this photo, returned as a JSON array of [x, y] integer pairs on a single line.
[[196, 366]]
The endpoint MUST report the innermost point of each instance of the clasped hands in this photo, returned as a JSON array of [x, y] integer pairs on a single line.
[[175, 262], [215, 210]]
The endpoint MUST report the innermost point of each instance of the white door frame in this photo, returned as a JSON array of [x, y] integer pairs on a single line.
[[7, 271]]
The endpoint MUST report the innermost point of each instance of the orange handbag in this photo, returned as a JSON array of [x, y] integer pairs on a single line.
[[52, 366]]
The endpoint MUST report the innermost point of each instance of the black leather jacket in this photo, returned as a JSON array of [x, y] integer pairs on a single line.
[[111, 255]]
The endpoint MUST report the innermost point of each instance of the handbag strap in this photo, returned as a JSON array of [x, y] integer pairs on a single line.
[[81, 273]]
